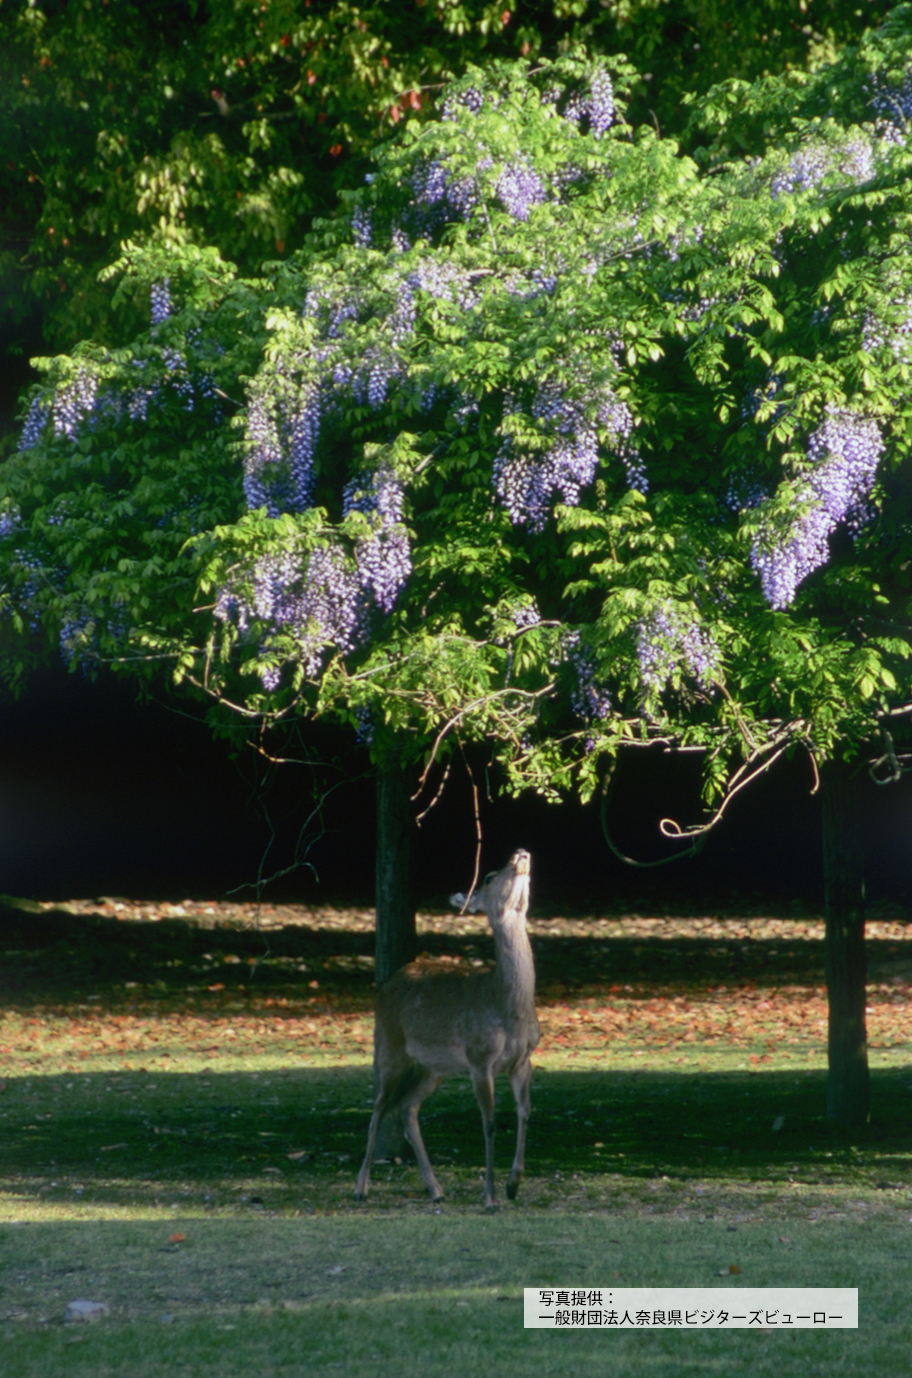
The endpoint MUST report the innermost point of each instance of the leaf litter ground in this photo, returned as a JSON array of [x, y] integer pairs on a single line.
[[203, 1070]]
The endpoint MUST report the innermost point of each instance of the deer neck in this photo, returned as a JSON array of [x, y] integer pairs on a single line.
[[515, 965]]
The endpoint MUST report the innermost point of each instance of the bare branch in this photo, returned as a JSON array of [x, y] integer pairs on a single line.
[[669, 828], [482, 701], [816, 785], [477, 827], [424, 813]]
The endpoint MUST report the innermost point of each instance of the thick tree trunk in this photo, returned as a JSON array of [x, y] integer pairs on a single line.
[[396, 942], [848, 1087]]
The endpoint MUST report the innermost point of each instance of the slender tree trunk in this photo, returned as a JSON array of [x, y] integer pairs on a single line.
[[397, 942], [396, 938], [848, 1088]]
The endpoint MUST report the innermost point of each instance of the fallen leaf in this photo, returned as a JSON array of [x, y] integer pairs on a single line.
[[177, 1238]]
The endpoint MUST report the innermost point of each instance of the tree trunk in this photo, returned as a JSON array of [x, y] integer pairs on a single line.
[[848, 1088], [396, 940]]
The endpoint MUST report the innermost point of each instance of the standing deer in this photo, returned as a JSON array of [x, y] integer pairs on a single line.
[[433, 1022]]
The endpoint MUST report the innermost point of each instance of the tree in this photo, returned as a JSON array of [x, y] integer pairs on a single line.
[[557, 439]]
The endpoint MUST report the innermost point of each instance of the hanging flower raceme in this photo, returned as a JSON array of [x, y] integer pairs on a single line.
[[528, 482], [313, 601], [844, 453]]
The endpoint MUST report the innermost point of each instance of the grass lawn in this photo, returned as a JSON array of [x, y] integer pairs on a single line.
[[184, 1097]]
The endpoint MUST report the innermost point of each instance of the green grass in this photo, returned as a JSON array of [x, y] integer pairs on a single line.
[[676, 1132], [441, 1293]]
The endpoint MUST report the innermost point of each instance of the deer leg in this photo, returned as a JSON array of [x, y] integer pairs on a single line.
[[410, 1107], [520, 1080], [483, 1083], [362, 1186], [391, 1087]]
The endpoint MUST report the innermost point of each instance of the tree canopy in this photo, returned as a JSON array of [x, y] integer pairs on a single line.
[[557, 437], [232, 125]]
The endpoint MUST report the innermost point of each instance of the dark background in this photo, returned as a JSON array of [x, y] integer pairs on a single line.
[[101, 795]]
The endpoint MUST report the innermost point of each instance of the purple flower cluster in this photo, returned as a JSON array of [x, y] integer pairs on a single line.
[[671, 641], [442, 279], [283, 426], [844, 454], [26, 596], [526, 484], [82, 401], [35, 422], [525, 615], [160, 303], [73, 402], [744, 493], [806, 167], [895, 335], [597, 106], [384, 557], [384, 565], [368, 378], [440, 198], [893, 103], [362, 229], [316, 601], [519, 189], [589, 699], [181, 382], [364, 732], [138, 400], [324, 599], [470, 99], [333, 310]]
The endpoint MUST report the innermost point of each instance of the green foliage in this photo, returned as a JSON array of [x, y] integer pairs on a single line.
[[557, 438], [233, 125]]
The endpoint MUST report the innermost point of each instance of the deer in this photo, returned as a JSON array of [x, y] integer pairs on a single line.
[[433, 1022]]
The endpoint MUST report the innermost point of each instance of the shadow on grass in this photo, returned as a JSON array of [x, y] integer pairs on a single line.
[[60, 956], [291, 1141]]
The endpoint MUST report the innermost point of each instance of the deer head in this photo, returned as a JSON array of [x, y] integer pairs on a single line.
[[502, 891]]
